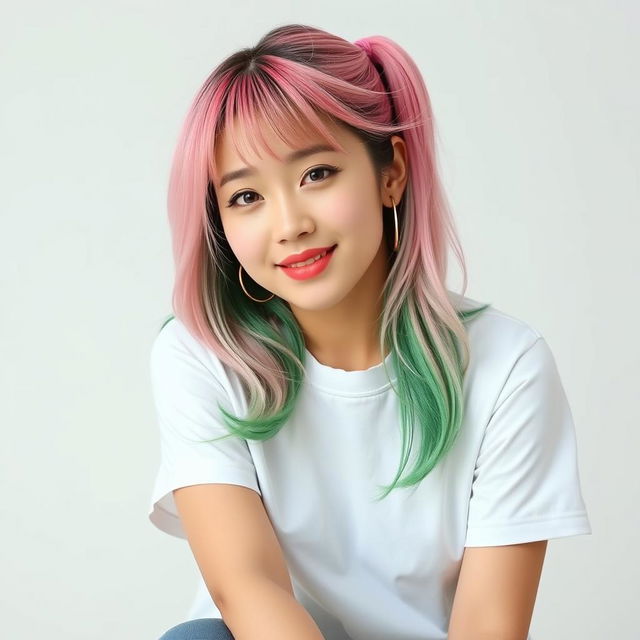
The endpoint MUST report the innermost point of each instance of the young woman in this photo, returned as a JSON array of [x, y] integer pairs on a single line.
[[351, 449]]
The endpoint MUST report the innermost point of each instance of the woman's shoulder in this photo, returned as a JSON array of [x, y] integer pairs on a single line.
[[176, 347], [175, 340], [493, 332]]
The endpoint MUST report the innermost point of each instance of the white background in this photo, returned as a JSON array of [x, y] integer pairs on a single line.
[[536, 105]]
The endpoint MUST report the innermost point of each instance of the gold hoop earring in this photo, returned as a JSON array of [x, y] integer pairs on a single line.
[[395, 219], [242, 285]]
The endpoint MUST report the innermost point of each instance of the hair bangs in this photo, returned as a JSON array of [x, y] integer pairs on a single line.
[[256, 106]]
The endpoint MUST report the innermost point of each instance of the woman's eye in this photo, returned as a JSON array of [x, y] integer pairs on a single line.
[[234, 200], [319, 170]]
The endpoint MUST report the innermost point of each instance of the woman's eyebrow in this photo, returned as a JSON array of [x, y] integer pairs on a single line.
[[292, 157]]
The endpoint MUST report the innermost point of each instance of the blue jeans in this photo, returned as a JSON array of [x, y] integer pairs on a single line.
[[200, 629]]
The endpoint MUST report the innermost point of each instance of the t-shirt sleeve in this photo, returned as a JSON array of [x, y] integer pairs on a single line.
[[526, 483], [186, 393]]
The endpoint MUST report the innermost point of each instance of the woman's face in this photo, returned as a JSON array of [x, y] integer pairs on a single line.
[[313, 201]]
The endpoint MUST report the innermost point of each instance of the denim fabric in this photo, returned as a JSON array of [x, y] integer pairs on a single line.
[[200, 629]]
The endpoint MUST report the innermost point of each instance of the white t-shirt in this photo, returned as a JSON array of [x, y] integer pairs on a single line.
[[385, 570]]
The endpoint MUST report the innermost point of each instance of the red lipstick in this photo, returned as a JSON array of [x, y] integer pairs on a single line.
[[305, 255], [310, 270]]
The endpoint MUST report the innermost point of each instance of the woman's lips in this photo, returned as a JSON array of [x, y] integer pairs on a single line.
[[304, 256], [310, 270]]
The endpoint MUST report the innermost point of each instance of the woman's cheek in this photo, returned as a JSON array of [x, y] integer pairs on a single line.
[[346, 212], [246, 247]]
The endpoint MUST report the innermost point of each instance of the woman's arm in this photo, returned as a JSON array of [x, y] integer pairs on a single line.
[[260, 608], [496, 591], [242, 563]]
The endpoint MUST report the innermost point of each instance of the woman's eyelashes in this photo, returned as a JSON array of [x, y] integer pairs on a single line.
[[232, 202]]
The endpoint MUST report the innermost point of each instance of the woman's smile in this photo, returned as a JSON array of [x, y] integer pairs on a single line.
[[310, 268]]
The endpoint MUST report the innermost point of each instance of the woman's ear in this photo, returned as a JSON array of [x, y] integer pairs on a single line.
[[395, 176]]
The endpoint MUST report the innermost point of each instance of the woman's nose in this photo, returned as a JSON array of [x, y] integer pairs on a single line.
[[290, 222]]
